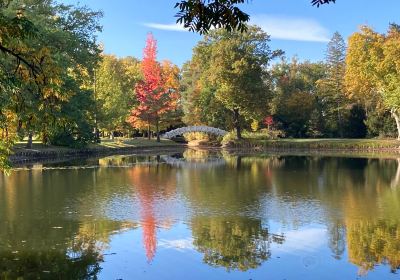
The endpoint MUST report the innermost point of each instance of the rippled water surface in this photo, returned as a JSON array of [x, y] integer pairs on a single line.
[[202, 215]]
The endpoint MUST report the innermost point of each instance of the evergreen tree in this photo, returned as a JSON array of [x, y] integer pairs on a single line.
[[332, 87]]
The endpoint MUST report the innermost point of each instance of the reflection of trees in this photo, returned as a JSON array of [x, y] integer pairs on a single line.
[[336, 241], [226, 225], [396, 179], [372, 243], [197, 155], [45, 229], [71, 252], [49, 264], [350, 189], [151, 183], [234, 243]]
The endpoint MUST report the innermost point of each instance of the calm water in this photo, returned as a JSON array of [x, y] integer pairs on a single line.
[[202, 215]]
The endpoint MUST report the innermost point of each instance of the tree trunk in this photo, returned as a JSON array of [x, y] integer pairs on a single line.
[[236, 123], [29, 144], [45, 139], [158, 131], [148, 131], [340, 121], [19, 127], [397, 119]]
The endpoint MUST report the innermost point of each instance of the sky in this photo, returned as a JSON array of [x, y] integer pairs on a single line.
[[295, 26]]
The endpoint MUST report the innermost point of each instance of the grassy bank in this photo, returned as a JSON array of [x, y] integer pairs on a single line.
[[315, 144], [107, 146]]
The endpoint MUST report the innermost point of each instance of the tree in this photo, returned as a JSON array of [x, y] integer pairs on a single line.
[[56, 51], [203, 15], [390, 74], [373, 68], [199, 104], [237, 69], [332, 87], [362, 59], [296, 105], [115, 83], [157, 93]]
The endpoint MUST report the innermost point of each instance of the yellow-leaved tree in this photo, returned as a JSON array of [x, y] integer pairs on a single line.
[[373, 70]]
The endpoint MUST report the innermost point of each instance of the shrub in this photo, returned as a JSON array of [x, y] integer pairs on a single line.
[[5, 151]]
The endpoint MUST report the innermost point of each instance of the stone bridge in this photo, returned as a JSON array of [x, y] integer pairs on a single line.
[[187, 129]]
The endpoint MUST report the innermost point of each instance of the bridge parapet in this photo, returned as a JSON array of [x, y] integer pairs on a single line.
[[198, 128]]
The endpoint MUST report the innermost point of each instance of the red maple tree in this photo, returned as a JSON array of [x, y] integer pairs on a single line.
[[269, 121], [154, 96]]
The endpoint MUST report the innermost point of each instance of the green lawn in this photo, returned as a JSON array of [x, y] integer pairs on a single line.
[[136, 142], [106, 144], [318, 144]]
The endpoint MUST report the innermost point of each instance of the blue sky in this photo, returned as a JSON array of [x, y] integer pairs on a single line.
[[294, 25]]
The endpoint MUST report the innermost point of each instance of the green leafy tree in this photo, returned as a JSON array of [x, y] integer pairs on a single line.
[[115, 83], [237, 69], [57, 51], [296, 105], [199, 104]]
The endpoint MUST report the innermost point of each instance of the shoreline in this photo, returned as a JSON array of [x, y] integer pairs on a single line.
[[38, 156], [323, 147]]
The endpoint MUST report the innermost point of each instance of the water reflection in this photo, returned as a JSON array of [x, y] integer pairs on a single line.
[[151, 184], [374, 242], [237, 213], [234, 243]]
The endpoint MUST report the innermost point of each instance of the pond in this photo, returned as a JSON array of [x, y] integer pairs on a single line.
[[202, 215]]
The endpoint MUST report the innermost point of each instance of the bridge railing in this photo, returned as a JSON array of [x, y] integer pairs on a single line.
[[188, 129]]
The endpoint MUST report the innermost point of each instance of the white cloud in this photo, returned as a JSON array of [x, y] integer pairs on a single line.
[[302, 240], [167, 27], [279, 27], [178, 244], [289, 28]]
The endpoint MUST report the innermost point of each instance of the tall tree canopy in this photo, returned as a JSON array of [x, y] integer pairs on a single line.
[[157, 93], [296, 105], [236, 71], [373, 68], [115, 81], [48, 51], [332, 87]]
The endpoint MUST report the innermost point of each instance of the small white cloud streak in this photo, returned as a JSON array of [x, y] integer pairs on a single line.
[[279, 27], [300, 241], [167, 27], [179, 244], [294, 29]]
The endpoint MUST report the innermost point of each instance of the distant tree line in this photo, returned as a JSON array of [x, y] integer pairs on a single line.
[[354, 93]]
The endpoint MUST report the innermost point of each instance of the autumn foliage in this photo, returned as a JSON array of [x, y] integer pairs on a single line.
[[157, 93]]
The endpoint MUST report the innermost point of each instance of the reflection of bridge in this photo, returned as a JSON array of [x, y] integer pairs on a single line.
[[200, 163], [188, 129]]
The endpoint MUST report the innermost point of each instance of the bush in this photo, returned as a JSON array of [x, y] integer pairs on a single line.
[[5, 151], [229, 138], [68, 138]]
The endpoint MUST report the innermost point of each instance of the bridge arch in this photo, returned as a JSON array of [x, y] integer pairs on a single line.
[[198, 128]]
